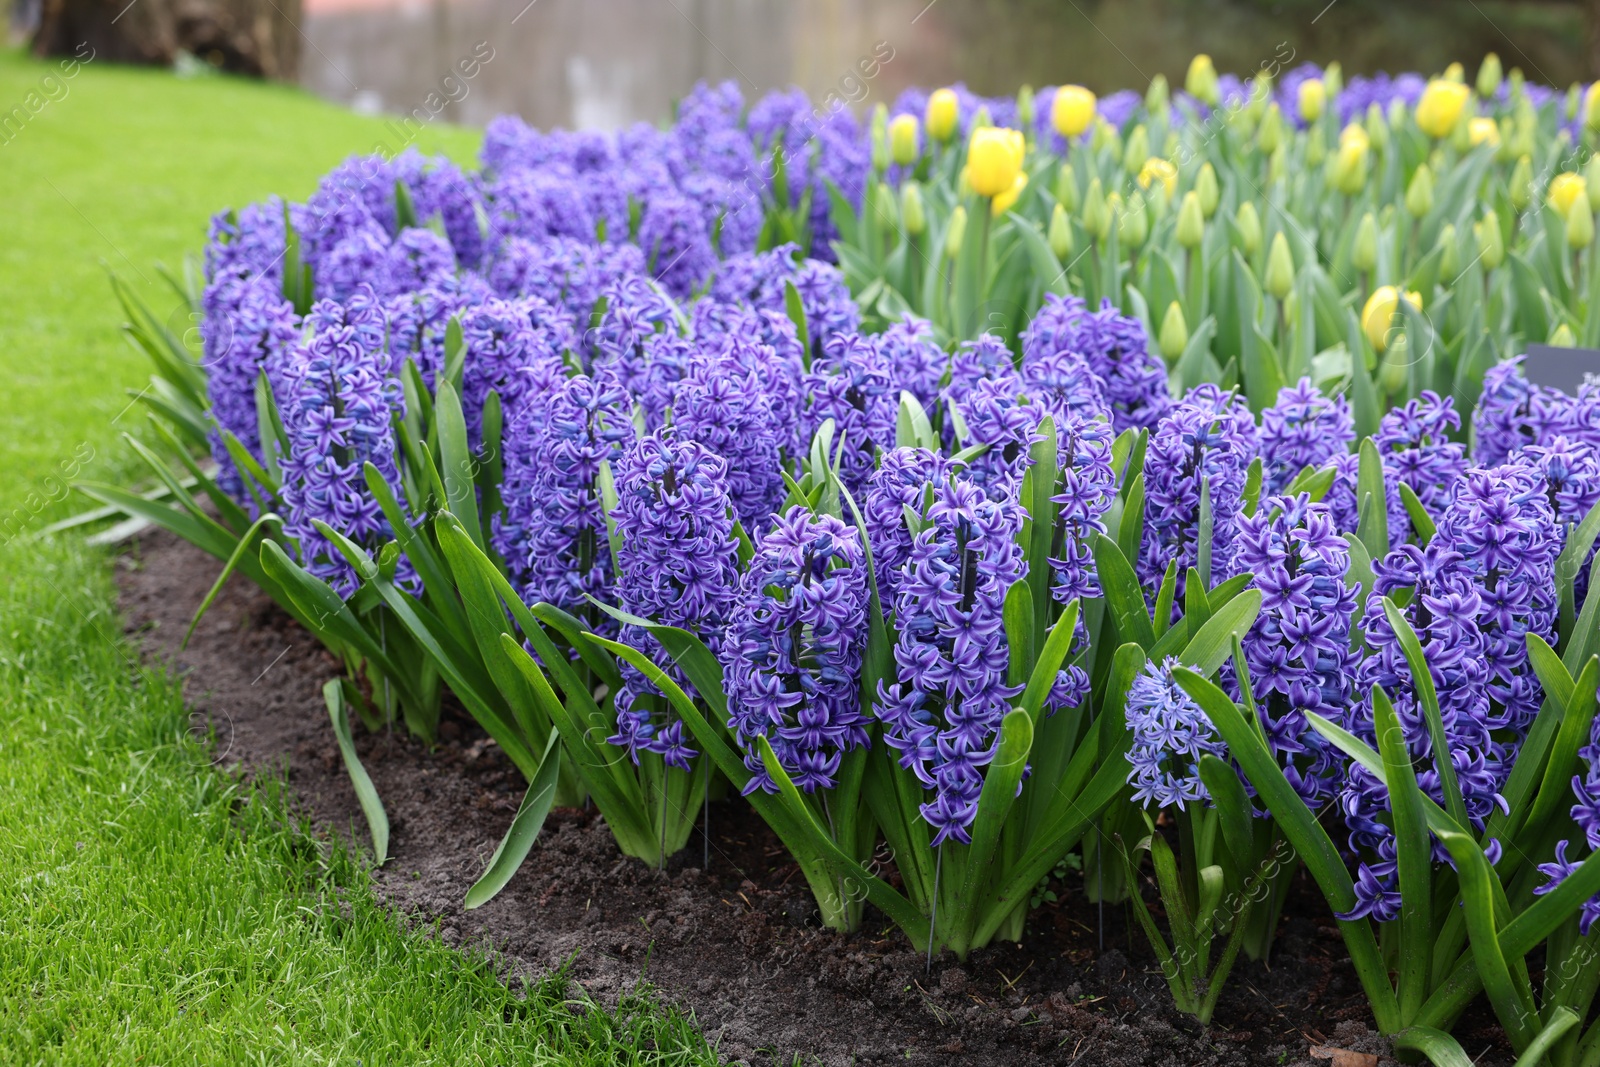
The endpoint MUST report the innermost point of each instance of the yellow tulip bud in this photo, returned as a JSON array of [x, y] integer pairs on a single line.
[[1191, 221], [1205, 183], [943, 114], [1156, 97], [1313, 95], [1270, 136], [956, 232], [1378, 316], [1564, 189], [1419, 193], [1364, 250], [1591, 106], [1072, 110], [1455, 72], [994, 159], [912, 212], [1440, 107], [1491, 242], [886, 206], [1249, 224], [1201, 81], [1006, 200], [1174, 335], [1483, 131], [1350, 165], [1580, 224], [1280, 268], [1521, 184], [1096, 212], [1134, 224], [1377, 127], [1316, 150], [1025, 112], [903, 140], [1060, 233], [1137, 149], [1155, 168], [1113, 216], [1489, 76], [1066, 188], [1591, 181], [1449, 253], [1333, 79], [1562, 337]]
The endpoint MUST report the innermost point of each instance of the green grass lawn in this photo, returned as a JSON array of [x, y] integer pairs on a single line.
[[153, 911]]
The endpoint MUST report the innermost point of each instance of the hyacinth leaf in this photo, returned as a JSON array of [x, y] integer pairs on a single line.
[[1313, 481], [1421, 521], [1048, 662], [1233, 808], [1360, 573], [1175, 974], [1038, 492], [1122, 592], [1205, 533], [1577, 699], [1510, 997], [1017, 618], [1299, 824], [1414, 855], [519, 837], [912, 428], [1252, 487], [1001, 782], [455, 356], [1130, 531], [699, 665], [456, 462], [1162, 619], [427, 563], [1586, 634], [366, 792], [576, 633], [1373, 501], [1209, 649], [233, 516], [1580, 539], [256, 475], [1428, 697], [1562, 1019], [269, 427], [239, 553], [796, 309], [1440, 1048], [174, 362]]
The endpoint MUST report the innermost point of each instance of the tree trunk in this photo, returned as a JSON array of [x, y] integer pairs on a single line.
[[258, 37]]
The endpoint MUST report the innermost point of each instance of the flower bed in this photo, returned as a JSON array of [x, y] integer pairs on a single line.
[[947, 539]]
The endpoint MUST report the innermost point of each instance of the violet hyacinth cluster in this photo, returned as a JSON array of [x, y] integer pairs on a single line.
[[679, 565], [942, 711], [1170, 735], [853, 384], [904, 480], [1303, 429], [721, 404], [248, 328], [1415, 441], [1133, 379], [1586, 813], [792, 655], [1298, 650]]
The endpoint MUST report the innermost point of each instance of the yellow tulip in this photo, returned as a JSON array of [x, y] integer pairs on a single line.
[[1174, 335], [1350, 166], [1440, 107], [1591, 106], [903, 146], [1155, 167], [1201, 81], [1072, 110], [1313, 95], [1002, 202], [1484, 131], [1564, 189], [1378, 316], [1355, 134], [994, 159], [944, 111], [1455, 72]]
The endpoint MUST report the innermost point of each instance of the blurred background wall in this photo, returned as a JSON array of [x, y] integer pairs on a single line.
[[606, 63]]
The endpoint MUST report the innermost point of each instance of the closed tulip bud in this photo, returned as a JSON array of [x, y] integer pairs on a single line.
[[1111, 142], [1316, 150], [1249, 224], [1364, 250], [980, 118], [1025, 113], [1171, 144], [1270, 136], [1201, 81], [1449, 254], [1191, 221], [1156, 199], [1005, 201], [1060, 233], [1113, 217], [1580, 224], [1378, 317], [1574, 101], [1483, 131], [1333, 79], [943, 115], [1591, 106], [1489, 76], [1396, 115], [1491, 242], [955, 232], [1278, 164], [1313, 95], [994, 159], [1174, 336], [1440, 107], [1392, 368], [1419, 193], [1565, 188], [1455, 72], [1156, 97], [880, 145], [1072, 110], [1160, 170], [1522, 184], [1134, 225], [1377, 127], [1066, 188], [1205, 184], [1562, 337], [1137, 149], [903, 140], [1591, 181], [1280, 268], [1350, 165], [912, 212], [1096, 213]]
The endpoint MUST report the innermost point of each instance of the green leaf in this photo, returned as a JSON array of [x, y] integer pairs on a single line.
[[1373, 502], [1512, 1002], [366, 792], [1562, 1019], [523, 831], [1209, 649], [1233, 808], [1441, 1049], [1580, 538], [1000, 786], [1422, 682], [459, 469], [1414, 855], [797, 315], [1048, 663], [1122, 592], [239, 554], [1421, 521], [912, 428]]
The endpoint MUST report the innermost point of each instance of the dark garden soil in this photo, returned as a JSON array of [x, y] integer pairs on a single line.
[[736, 943]]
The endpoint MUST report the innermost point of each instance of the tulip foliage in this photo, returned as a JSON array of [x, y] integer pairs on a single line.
[[1153, 482]]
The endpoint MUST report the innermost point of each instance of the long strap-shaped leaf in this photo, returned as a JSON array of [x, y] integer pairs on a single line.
[[1414, 856], [366, 792], [524, 829], [1441, 1049], [239, 553], [1305, 833], [1513, 1002], [1428, 697], [1122, 592], [1000, 784]]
